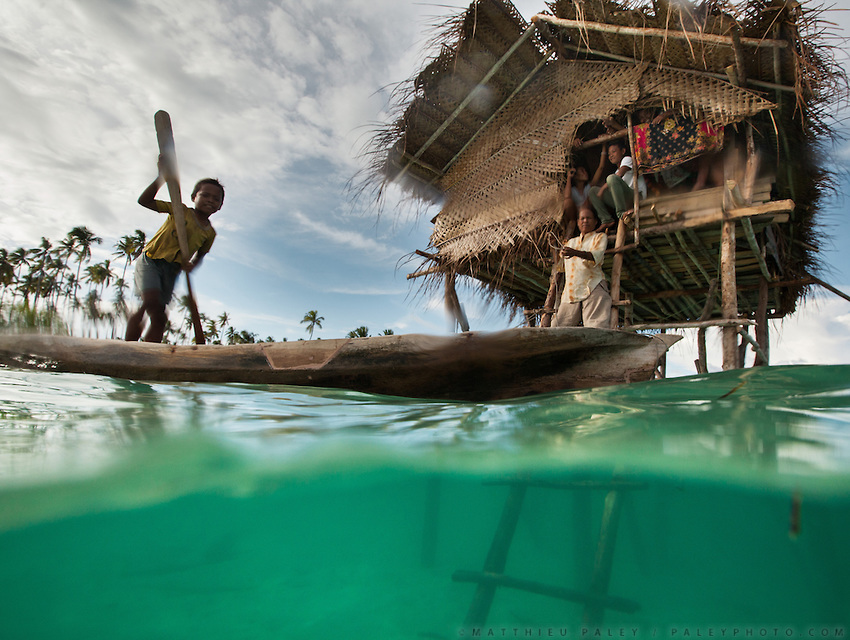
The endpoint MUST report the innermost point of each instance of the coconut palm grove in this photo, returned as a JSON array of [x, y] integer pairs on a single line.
[[57, 288]]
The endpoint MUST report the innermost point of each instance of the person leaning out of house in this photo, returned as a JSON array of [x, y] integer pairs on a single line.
[[577, 190], [585, 298], [615, 199], [160, 263]]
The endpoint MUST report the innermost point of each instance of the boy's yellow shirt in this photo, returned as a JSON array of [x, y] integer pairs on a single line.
[[165, 246]]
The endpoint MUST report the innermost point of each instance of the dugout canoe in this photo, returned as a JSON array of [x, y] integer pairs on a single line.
[[472, 366]]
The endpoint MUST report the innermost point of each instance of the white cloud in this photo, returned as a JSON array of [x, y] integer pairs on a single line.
[[344, 239]]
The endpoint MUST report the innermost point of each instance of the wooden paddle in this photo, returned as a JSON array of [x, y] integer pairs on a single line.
[[165, 138]]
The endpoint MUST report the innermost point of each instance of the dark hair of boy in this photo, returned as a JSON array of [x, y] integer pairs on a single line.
[[212, 181]]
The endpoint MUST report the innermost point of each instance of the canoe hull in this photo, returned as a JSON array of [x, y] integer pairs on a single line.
[[469, 366]]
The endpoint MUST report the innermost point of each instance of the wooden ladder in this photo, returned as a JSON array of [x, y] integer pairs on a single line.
[[596, 600]]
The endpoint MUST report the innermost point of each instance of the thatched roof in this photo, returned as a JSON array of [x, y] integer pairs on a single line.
[[487, 129]]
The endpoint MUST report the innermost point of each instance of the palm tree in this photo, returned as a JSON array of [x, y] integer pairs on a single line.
[[388, 332], [313, 320], [40, 255], [359, 332], [82, 239], [244, 337], [217, 328], [129, 248], [100, 275], [119, 302], [211, 329], [7, 272], [91, 309]]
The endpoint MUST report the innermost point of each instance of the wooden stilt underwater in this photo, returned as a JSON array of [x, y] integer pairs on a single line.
[[497, 556], [597, 599], [594, 613]]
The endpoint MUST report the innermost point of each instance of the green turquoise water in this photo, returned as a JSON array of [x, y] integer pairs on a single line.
[[134, 510]]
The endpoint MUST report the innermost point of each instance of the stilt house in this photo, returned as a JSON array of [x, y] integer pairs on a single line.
[[494, 121]]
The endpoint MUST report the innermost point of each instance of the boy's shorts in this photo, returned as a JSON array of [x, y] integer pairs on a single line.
[[154, 273]]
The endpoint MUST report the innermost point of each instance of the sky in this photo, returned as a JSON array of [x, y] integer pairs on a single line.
[[276, 98]]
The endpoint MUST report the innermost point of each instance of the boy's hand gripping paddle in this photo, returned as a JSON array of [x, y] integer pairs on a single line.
[[165, 138]]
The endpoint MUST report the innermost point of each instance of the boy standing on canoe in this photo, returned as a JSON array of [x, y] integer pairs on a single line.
[[160, 263]]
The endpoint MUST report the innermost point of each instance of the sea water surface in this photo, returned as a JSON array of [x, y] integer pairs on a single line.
[[148, 510]]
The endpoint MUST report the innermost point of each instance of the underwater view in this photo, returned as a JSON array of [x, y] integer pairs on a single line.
[[707, 506]]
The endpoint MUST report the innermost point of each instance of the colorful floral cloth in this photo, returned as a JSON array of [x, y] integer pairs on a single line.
[[673, 141]]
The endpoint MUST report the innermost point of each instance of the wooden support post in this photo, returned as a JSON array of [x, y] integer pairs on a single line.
[[751, 171], [593, 613], [552, 295], [453, 303], [635, 178], [746, 339], [616, 272], [497, 557], [738, 49], [661, 371], [728, 281], [702, 360], [762, 330], [617, 266], [729, 295]]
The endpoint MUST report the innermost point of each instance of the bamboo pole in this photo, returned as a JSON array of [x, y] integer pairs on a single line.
[[689, 252], [616, 272], [608, 137], [773, 207], [747, 225], [519, 88], [772, 285], [829, 287], [707, 74], [426, 272], [691, 324], [617, 268], [635, 178], [453, 116], [657, 33], [671, 278]]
